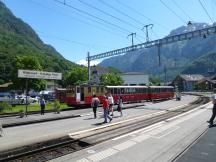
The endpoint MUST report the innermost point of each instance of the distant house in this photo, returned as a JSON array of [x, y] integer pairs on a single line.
[[187, 82], [135, 78], [207, 83], [5, 87]]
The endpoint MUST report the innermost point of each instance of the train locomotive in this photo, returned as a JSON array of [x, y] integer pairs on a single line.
[[82, 95]]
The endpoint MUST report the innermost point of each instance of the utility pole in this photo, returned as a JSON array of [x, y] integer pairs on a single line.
[[165, 75], [146, 27], [132, 34], [89, 70]]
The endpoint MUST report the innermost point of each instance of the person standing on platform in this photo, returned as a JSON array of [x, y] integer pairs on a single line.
[[42, 105], [211, 121], [111, 103], [120, 105], [106, 109], [94, 103], [1, 129]]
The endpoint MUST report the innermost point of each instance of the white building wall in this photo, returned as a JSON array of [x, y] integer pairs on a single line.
[[135, 79]]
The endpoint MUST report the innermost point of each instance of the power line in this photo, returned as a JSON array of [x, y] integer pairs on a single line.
[[173, 12], [106, 13], [139, 13], [181, 9], [90, 15], [82, 21], [206, 11], [117, 10], [68, 40]]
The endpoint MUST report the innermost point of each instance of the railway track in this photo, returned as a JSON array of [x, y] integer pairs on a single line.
[[52, 149]]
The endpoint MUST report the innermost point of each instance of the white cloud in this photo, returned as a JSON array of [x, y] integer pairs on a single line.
[[84, 62]]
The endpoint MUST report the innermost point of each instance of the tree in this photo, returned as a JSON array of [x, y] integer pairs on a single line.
[[154, 81], [26, 63], [76, 76], [111, 79]]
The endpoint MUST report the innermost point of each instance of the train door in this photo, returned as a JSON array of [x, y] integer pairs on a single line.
[[80, 94]]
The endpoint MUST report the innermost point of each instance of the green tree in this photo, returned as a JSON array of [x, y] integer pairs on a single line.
[[26, 63], [154, 81], [111, 79], [76, 76]]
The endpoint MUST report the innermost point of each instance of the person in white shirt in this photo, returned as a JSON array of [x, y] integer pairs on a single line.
[[111, 103]]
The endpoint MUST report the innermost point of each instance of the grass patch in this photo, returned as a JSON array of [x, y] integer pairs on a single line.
[[32, 107]]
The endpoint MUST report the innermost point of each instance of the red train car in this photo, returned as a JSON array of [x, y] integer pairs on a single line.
[[60, 94], [161, 92], [82, 95]]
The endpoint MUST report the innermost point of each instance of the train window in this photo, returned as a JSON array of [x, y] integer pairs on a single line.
[[78, 89], [132, 90], [89, 89], [97, 89], [122, 90], [144, 90], [115, 91], [119, 91]]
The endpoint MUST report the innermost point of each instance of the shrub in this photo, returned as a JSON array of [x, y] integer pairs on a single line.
[[5, 106], [56, 106]]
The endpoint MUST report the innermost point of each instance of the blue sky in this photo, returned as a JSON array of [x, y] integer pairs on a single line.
[[73, 34]]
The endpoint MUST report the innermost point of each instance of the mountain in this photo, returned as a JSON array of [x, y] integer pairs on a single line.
[[17, 39], [195, 56]]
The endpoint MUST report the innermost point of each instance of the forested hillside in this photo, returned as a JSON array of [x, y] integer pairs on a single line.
[[18, 39]]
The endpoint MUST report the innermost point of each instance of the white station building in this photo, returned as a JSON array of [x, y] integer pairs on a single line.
[[135, 78]]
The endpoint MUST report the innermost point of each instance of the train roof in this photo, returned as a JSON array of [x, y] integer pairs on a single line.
[[139, 86], [161, 86], [127, 86]]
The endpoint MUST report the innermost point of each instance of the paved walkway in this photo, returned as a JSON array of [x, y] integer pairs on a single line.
[[36, 118], [204, 149]]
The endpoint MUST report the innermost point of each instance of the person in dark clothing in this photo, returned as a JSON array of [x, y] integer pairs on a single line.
[[211, 121], [42, 105], [94, 103]]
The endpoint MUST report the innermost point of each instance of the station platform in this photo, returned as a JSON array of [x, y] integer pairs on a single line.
[[184, 138], [204, 149], [15, 120], [159, 142]]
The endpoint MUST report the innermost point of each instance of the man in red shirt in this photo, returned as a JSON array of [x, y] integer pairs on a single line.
[[106, 109]]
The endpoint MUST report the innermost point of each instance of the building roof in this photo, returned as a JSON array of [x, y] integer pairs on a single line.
[[5, 85], [191, 77], [133, 73]]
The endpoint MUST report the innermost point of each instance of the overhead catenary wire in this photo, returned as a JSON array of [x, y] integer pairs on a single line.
[[180, 18], [70, 41], [206, 11], [126, 31], [119, 11], [106, 13], [139, 13], [91, 15], [183, 11], [83, 21]]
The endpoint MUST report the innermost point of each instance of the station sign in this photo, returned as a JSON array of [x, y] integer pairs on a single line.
[[39, 74]]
